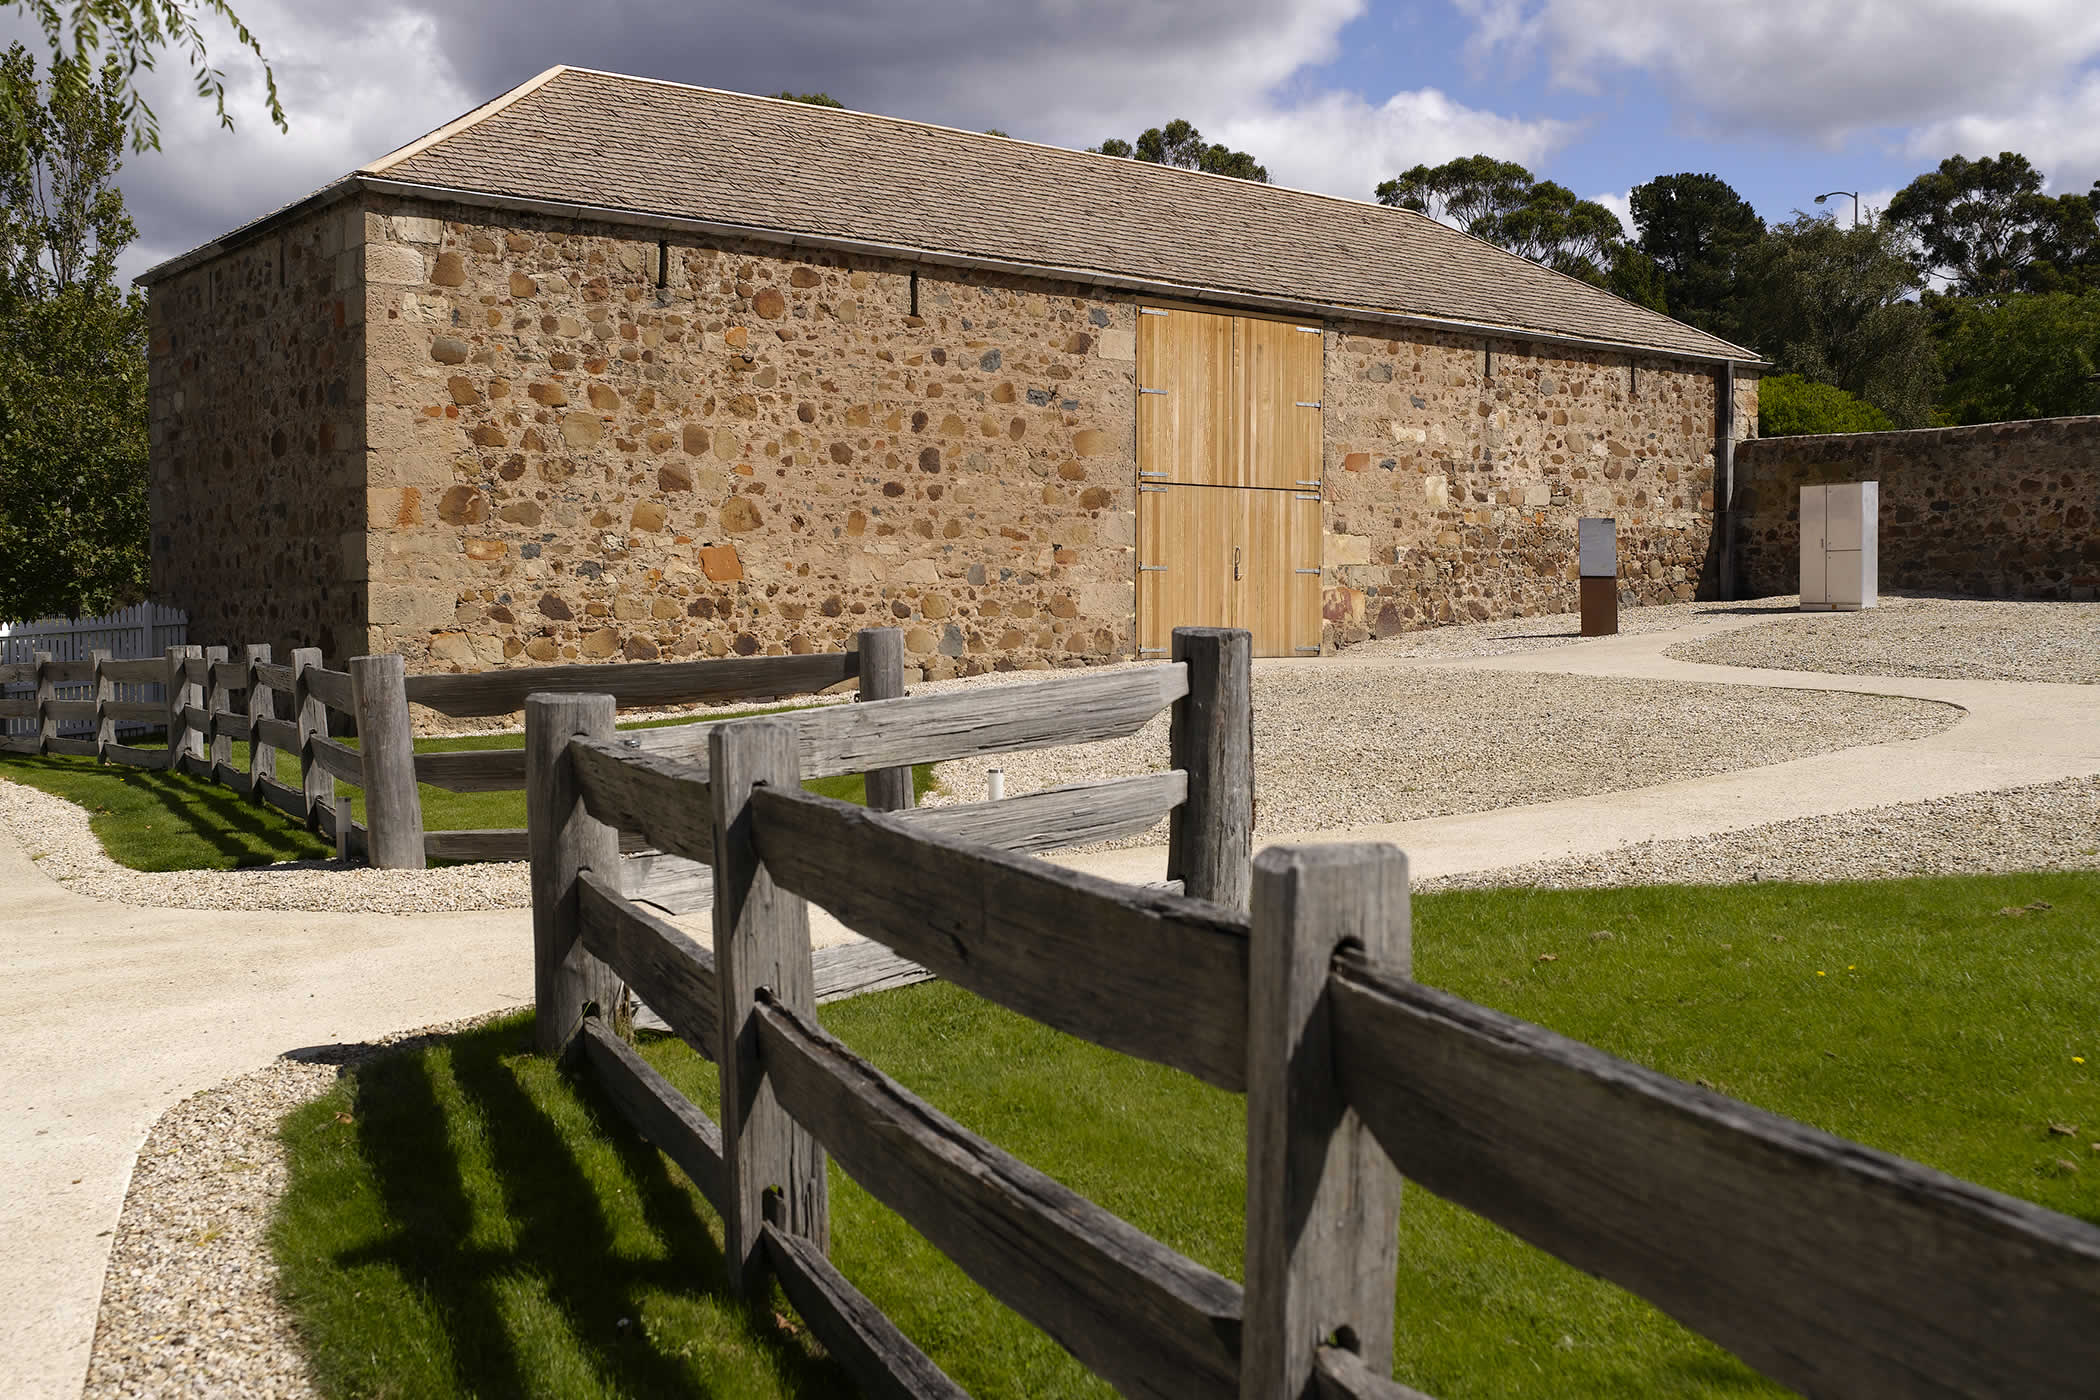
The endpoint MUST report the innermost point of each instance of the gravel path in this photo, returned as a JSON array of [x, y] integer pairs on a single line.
[[1519, 634], [189, 1305], [2054, 826], [1364, 744], [1946, 638], [57, 836]]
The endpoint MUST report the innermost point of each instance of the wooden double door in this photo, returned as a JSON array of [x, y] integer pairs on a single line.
[[1229, 450]]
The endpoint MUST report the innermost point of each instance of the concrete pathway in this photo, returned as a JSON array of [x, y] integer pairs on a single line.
[[111, 1014], [2012, 734]]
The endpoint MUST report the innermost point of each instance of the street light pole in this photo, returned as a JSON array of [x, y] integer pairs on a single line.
[[1853, 195]]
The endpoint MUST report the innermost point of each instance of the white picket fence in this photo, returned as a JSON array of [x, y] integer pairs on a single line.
[[128, 634]]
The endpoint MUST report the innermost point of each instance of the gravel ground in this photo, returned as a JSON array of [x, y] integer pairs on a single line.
[[2054, 826], [1366, 744], [189, 1305], [56, 834], [1945, 638]]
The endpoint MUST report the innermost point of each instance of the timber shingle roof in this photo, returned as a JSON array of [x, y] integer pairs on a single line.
[[579, 137]]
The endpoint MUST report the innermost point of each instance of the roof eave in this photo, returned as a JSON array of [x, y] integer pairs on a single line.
[[641, 218], [320, 199]]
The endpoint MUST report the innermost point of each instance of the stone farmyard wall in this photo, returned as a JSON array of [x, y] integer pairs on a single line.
[[589, 445], [1455, 478], [2002, 510]]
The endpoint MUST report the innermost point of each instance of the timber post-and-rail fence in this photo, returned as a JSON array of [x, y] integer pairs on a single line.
[[213, 701], [1832, 1268]]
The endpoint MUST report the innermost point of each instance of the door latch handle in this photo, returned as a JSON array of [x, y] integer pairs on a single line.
[[1235, 563]]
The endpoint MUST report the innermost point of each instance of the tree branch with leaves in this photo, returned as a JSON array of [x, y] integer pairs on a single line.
[[133, 34]]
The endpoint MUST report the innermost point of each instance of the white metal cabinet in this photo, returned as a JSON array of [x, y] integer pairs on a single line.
[[1840, 555]]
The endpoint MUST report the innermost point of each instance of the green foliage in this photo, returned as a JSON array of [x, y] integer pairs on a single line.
[[813, 99], [1790, 406], [2025, 357], [1699, 231], [1500, 201], [1832, 304], [1985, 227], [463, 1218], [1179, 144], [1471, 192], [136, 32], [73, 515]]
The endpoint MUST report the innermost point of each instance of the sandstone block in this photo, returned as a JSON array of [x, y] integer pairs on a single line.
[[740, 514], [450, 270], [410, 228], [393, 265]]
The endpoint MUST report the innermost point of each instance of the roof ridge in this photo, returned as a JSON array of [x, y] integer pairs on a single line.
[[472, 117]]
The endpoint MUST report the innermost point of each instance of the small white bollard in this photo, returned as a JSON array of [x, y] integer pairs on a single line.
[[994, 784]]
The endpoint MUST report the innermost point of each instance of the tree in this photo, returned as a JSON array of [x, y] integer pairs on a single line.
[[73, 470], [136, 32], [1790, 406], [1698, 231], [1979, 224], [1834, 305], [814, 99], [1552, 226], [1501, 202], [1179, 144], [1471, 192], [2022, 357]]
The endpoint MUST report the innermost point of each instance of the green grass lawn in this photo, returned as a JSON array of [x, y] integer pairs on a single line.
[[150, 820], [466, 1219]]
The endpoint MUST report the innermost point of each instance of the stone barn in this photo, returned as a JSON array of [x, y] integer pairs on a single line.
[[618, 368]]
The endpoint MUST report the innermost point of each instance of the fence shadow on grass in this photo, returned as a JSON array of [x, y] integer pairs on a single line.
[[511, 1246]]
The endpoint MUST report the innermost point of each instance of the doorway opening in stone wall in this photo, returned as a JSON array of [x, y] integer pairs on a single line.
[[1229, 461]]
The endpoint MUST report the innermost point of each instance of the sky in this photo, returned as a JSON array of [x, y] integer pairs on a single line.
[[1783, 100]]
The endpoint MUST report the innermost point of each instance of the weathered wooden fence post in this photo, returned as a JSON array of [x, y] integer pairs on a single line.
[[1210, 837], [262, 758], [183, 695], [312, 716], [882, 678], [562, 840], [46, 692], [386, 744], [1323, 1200], [105, 692], [218, 700], [761, 940]]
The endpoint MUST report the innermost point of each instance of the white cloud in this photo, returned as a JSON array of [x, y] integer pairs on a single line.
[[1620, 204], [1814, 69], [2059, 130], [1338, 143]]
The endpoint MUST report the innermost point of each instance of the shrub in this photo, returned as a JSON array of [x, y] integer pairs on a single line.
[[1790, 406]]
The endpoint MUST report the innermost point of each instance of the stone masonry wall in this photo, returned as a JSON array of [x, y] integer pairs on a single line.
[[255, 409], [590, 445], [1454, 479], [2002, 510]]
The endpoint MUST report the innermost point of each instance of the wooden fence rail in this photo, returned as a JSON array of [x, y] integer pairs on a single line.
[[204, 715], [1834, 1269]]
